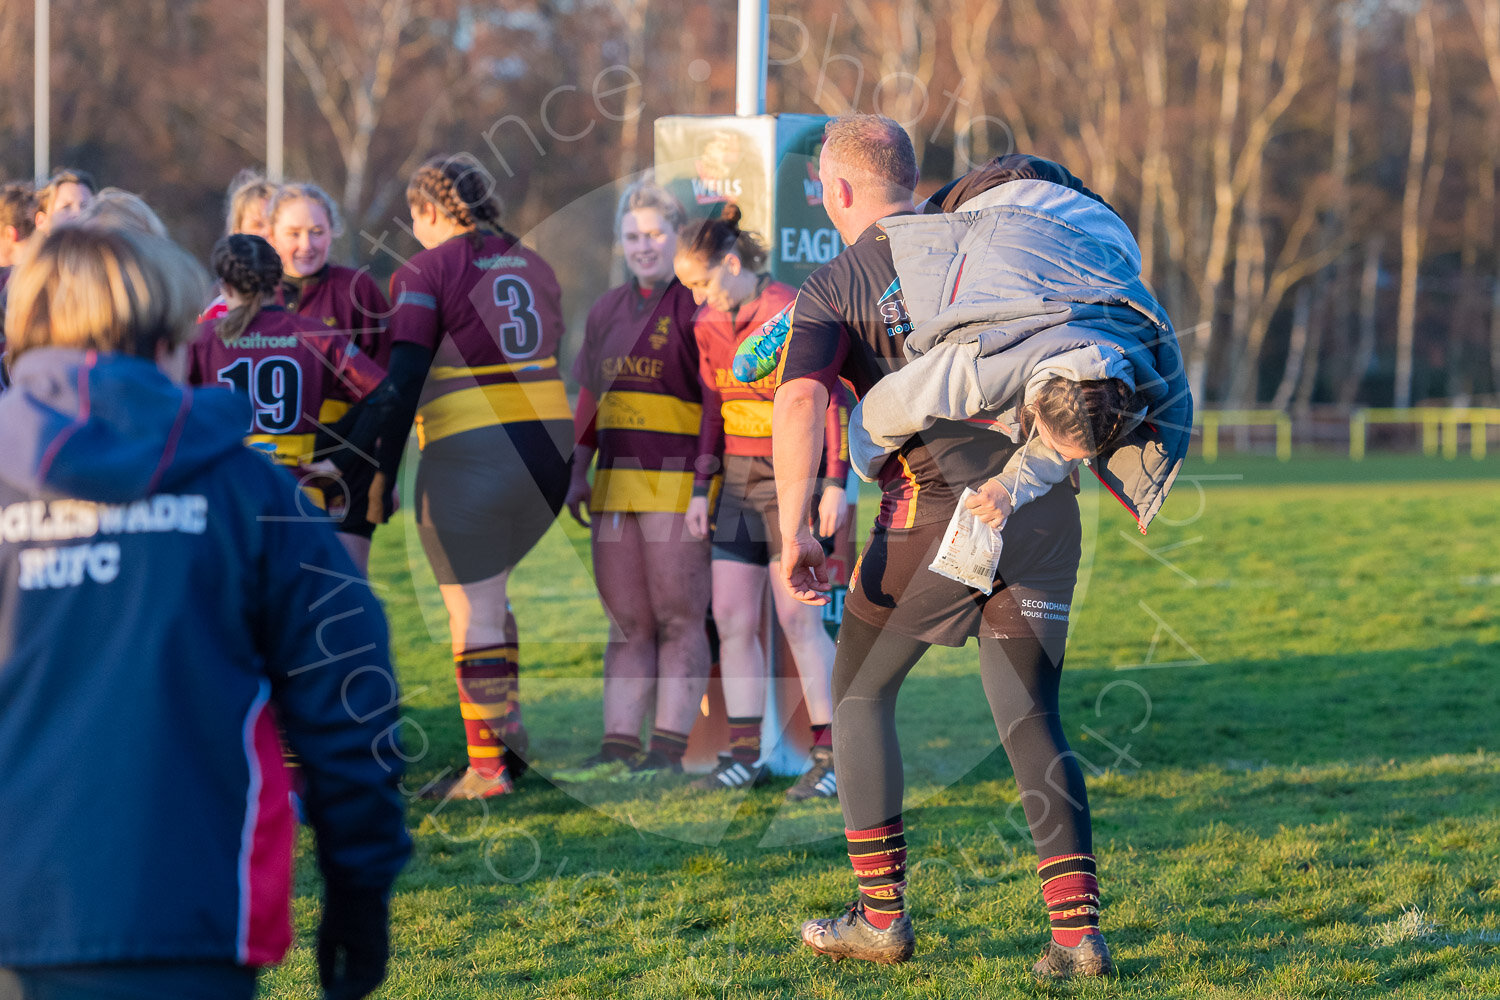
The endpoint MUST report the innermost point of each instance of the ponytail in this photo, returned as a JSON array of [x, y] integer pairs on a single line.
[[251, 268], [709, 240]]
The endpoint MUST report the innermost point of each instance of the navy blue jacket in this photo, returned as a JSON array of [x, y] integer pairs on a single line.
[[164, 601]]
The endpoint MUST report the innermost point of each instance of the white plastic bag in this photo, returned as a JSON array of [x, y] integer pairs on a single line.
[[970, 552]]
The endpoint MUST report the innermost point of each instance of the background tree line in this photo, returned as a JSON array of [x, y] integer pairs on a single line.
[[1313, 182]]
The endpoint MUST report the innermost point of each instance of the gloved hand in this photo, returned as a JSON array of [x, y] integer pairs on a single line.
[[353, 941]]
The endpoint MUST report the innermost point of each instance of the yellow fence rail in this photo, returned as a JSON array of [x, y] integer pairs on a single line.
[[1212, 420], [1439, 427]]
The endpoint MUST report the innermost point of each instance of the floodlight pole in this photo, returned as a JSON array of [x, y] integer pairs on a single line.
[[42, 92], [750, 66], [275, 89]]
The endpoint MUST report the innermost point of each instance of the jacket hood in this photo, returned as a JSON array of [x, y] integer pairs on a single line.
[[109, 428]]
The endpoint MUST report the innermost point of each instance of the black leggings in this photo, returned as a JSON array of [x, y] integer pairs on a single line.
[[1021, 682]]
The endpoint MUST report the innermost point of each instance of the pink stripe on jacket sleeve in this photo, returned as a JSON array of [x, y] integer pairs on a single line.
[[265, 863]]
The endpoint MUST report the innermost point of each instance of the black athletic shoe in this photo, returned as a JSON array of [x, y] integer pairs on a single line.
[[818, 781], [1089, 958], [730, 774], [648, 767], [852, 936]]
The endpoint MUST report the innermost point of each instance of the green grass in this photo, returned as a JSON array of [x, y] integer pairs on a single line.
[[1285, 697]]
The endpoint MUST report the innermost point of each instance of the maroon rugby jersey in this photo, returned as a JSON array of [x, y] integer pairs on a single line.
[[737, 415], [850, 322], [4, 280], [345, 300], [639, 364], [492, 316], [296, 372]]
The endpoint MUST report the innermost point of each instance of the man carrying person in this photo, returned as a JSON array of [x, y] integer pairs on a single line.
[[850, 320]]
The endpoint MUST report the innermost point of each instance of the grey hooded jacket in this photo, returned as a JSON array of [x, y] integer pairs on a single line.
[[1012, 288]]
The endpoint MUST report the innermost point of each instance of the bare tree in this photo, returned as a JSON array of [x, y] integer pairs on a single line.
[[1297, 352], [970, 25], [1155, 172], [1241, 130], [1422, 172], [350, 53], [1485, 15], [1335, 284]]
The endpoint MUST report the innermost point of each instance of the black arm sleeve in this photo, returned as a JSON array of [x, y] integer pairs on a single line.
[[378, 425], [391, 416]]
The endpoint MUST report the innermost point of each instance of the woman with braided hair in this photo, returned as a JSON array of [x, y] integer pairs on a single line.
[[475, 332], [722, 265], [296, 373]]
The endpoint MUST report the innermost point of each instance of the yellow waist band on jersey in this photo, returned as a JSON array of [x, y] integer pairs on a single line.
[[747, 418], [488, 405], [641, 491], [648, 411]]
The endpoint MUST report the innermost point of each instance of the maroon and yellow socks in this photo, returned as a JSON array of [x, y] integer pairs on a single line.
[[822, 736], [669, 746], [620, 746], [879, 859], [1070, 887], [487, 690], [744, 738]]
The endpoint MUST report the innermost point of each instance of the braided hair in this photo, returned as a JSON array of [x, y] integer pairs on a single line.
[[708, 240], [251, 268], [462, 190], [1094, 414]]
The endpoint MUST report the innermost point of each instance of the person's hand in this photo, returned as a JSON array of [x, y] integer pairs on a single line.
[[323, 467], [353, 942], [802, 568], [833, 511], [577, 501], [375, 499], [697, 517], [991, 504]]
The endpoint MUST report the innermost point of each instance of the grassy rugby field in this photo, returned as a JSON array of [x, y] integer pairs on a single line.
[[1286, 697]]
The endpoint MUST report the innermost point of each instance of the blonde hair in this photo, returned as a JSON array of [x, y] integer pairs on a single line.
[[119, 209], [248, 186], [645, 193], [103, 289], [61, 176], [305, 191]]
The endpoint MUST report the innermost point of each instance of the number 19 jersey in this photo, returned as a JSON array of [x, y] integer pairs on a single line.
[[490, 310], [296, 373]]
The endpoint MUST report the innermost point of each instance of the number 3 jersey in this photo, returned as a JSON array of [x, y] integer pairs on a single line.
[[295, 371], [490, 310]]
